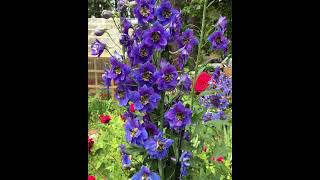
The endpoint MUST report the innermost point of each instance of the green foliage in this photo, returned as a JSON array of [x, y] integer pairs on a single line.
[[95, 7], [192, 15], [105, 158]]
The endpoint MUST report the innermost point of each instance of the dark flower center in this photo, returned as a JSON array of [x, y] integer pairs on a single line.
[[185, 41], [144, 99], [166, 13], [168, 77], [218, 39], [121, 94], [155, 36], [180, 116], [144, 177], [146, 75], [144, 11], [117, 70], [134, 132], [160, 146], [143, 52]]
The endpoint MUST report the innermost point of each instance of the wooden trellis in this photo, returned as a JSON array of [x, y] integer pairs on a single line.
[[96, 67]]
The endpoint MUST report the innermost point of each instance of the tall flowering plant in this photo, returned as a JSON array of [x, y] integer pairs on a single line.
[[152, 84]]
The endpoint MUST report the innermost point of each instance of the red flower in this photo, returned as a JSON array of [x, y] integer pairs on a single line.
[[204, 148], [202, 82], [90, 144], [212, 158], [104, 119], [220, 159], [91, 178], [131, 108]]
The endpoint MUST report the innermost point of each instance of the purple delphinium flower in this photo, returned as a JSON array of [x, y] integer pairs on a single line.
[[122, 95], [126, 25], [175, 26], [152, 2], [145, 100], [146, 74], [165, 12], [224, 84], [142, 53], [156, 36], [125, 159], [178, 116], [137, 34], [210, 116], [188, 40], [125, 40], [185, 156], [144, 11], [129, 116], [146, 174], [218, 41], [185, 82], [130, 84], [106, 79], [157, 146], [215, 75], [135, 133], [167, 77], [121, 5], [181, 60], [221, 23], [214, 100], [186, 136], [97, 48], [151, 128], [119, 71]]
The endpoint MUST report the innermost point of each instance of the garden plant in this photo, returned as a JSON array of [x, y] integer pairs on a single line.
[[172, 118]]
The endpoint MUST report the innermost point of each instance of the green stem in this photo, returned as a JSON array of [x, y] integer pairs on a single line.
[[199, 49], [116, 25], [113, 40], [161, 169], [160, 163]]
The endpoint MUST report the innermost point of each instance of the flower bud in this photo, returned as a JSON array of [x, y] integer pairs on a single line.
[[132, 4], [106, 14], [99, 32]]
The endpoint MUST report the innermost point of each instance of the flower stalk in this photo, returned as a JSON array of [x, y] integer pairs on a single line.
[[199, 50], [161, 105]]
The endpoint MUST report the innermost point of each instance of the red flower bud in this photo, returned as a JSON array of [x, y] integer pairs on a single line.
[[212, 158], [131, 108], [220, 159], [202, 82], [204, 148], [90, 144]]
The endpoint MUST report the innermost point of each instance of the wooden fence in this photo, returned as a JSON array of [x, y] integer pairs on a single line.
[[96, 67]]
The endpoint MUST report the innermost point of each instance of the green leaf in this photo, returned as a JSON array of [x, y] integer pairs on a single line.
[[208, 92], [134, 150], [98, 164]]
